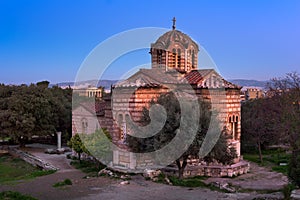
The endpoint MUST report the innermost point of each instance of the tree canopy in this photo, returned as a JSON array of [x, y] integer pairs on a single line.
[[275, 120], [34, 110]]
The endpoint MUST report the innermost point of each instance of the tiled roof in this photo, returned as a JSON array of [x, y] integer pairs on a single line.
[[158, 77], [148, 78], [199, 78], [196, 76]]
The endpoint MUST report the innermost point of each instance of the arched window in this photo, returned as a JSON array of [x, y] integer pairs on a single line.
[[126, 126], [159, 56], [84, 125], [233, 121], [193, 59], [178, 58], [214, 79], [122, 128], [236, 137], [173, 64]]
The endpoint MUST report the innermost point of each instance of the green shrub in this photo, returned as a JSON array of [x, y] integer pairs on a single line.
[[89, 167], [42, 173], [188, 182], [287, 190], [12, 195], [68, 181], [294, 168], [63, 183], [281, 169]]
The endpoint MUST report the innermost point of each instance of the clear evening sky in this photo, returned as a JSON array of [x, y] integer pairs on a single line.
[[48, 40]]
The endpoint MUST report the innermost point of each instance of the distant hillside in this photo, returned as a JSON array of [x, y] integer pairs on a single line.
[[249, 83], [107, 83], [104, 83]]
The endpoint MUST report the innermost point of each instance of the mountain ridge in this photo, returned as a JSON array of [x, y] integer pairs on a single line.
[[249, 82], [107, 83]]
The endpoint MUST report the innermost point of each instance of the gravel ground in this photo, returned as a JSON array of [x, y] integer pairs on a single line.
[[259, 178]]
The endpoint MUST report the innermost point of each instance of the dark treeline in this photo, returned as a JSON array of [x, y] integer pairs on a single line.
[[275, 120], [34, 110]]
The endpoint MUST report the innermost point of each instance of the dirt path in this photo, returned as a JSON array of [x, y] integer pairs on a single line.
[[139, 189], [41, 187], [59, 161]]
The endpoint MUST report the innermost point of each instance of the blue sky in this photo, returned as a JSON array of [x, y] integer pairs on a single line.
[[48, 40]]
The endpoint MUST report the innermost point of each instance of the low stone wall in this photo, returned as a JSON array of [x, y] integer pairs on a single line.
[[239, 168], [35, 161], [129, 162]]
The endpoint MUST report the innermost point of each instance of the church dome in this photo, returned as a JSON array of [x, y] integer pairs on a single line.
[[174, 50], [174, 36]]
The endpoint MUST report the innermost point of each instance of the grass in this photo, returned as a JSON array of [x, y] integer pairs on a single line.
[[88, 167], [63, 183], [12, 195], [196, 181], [191, 182], [264, 191], [272, 159], [13, 170]]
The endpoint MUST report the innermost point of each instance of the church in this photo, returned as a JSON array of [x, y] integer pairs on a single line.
[[174, 62]]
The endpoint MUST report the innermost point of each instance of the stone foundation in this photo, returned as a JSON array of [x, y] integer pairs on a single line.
[[129, 162], [236, 169]]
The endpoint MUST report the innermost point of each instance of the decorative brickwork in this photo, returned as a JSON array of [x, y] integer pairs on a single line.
[[174, 65]]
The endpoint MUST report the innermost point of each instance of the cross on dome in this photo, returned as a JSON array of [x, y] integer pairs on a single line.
[[174, 23]]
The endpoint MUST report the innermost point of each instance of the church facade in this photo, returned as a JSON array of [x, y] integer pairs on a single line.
[[174, 59]]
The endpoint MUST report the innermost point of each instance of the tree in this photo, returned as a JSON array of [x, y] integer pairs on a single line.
[[173, 125], [30, 112], [43, 84], [98, 145], [61, 102], [5, 124], [34, 110], [276, 119], [221, 152], [294, 167], [259, 121], [77, 145], [287, 91]]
